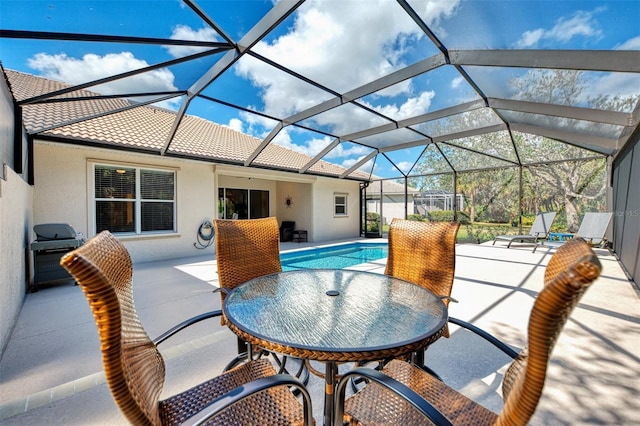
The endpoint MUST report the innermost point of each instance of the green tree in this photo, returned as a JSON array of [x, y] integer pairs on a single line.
[[573, 172], [556, 174]]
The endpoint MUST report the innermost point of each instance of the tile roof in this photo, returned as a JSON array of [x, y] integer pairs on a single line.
[[116, 123]]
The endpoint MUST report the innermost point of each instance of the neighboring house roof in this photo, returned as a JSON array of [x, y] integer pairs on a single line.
[[147, 129], [389, 187]]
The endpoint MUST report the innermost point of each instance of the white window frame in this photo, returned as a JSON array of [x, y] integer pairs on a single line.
[[337, 204], [138, 197]]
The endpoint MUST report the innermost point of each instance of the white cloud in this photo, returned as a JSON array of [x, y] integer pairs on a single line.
[[631, 44], [256, 125], [184, 32], [615, 84], [349, 162], [93, 67], [313, 146], [410, 108], [235, 124], [581, 24], [330, 43], [310, 147], [405, 166], [457, 82], [531, 38], [342, 150]]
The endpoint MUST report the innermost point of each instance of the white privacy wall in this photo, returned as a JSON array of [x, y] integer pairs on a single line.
[[16, 197]]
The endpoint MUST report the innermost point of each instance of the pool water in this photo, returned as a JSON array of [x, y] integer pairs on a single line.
[[337, 257]]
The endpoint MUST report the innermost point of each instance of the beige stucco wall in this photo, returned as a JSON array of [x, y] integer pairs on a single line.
[[62, 173], [327, 226], [311, 199], [16, 198], [15, 271], [300, 210], [393, 207]]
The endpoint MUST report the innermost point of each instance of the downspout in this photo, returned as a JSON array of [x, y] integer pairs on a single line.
[[363, 206]]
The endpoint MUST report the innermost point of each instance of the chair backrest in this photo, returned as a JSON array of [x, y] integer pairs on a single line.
[[423, 253], [542, 224], [593, 226], [246, 249], [569, 273], [133, 366]]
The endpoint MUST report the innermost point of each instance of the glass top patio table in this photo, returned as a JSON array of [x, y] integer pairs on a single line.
[[335, 316]]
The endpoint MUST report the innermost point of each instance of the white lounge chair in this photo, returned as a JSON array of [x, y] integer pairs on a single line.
[[592, 229], [539, 230]]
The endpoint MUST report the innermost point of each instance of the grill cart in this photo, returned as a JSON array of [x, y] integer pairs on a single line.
[[53, 240]]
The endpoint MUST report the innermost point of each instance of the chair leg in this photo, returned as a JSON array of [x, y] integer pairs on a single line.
[[356, 381], [237, 360], [417, 359], [245, 353], [242, 346]]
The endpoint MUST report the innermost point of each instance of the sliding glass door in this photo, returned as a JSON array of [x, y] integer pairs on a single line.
[[234, 203]]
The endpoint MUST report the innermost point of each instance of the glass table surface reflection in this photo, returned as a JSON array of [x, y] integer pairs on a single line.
[[335, 316]]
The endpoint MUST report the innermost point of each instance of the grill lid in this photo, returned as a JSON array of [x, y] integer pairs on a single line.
[[54, 231]]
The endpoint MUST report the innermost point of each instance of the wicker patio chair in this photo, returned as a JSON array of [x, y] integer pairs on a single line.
[[424, 253], [404, 394], [247, 249], [251, 394]]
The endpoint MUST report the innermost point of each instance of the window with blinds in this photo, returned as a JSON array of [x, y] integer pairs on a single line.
[[340, 204], [134, 200]]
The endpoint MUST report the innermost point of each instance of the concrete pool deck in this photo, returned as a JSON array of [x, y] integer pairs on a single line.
[[51, 370]]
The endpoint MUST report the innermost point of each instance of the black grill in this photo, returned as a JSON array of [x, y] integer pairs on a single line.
[[53, 241]]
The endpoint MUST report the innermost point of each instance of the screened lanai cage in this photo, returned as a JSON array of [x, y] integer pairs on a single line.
[[510, 107], [501, 199]]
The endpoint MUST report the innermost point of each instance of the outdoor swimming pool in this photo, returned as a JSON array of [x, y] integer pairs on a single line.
[[340, 256]]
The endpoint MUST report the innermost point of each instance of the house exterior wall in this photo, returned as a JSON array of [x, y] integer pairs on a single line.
[[16, 198], [326, 226], [63, 194], [15, 271], [392, 207], [300, 210]]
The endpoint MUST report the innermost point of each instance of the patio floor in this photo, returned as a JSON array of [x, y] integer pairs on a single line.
[[51, 370]]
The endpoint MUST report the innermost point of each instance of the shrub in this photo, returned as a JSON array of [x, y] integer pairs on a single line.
[[527, 220], [477, 233], [372, 224], [440, 215]]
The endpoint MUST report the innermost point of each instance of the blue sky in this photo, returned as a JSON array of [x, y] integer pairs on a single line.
[[340, 44]]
